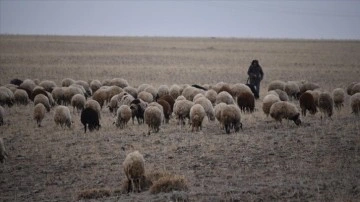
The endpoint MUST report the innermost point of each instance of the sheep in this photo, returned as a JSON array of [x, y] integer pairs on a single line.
[[80, 89], [28, 85], [230, 118], [218, 109], [134, 169], [174, 91], [287, 110], [182, 110], [101, 96], [16, 82], [47, 85], [153, 118], [95, 85], [131, 90], [138, 107], [13, 87], [39, 113], [90, 118], [152, 90], [155, 104], [220, 85], [211, 95], [93, 104], [21, 97], [113, 104], [308, 86], [181, 97], [170, 100], [190, 92], [106, 82], [78, 102], [225, 88], [349, 88], [282, 95], [163, 90], [326, 103], [51, 99], [40, 98], [126, 99], [224, 97], [62, 116], [355, 103], [37, 90], [268, 101], [315, 94], [355, 89], [86, 86], [2, 115], [197, 96], [246, 102], [292, 89], [277, 84], [6, 97], [197, 114], [339, 97], [72, 90], [166, 109], [113, 90], [3, 153], [307, 102], [123, 115], [58, 95], [146, 96], [238, 88], [122, 83], [67, 82], [208, 107]]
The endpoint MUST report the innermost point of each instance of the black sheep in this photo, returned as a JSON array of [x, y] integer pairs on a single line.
[[89, 117]]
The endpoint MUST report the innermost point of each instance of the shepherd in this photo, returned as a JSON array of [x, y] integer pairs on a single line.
[[256, 74]]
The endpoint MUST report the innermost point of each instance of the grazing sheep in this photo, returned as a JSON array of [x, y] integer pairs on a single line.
[[277, 84], [123, 115], [114, 103], [153, 118], [175, 91], [67, 82], [17, 82], [349, 88], [122, 83], [230, 118], [307, 102], [355, 89], [190, 92], [3, 153], [39, 113], [282, 95], [355, 103], [101, 96], [13, 87], [166, 109], [170, 100], [197, 96], [326, 103], [28, 85], [220, 85], [208, 107], [268, 101], [146, 96], [239, 88], [6, 97], [308, 86], [37, 91], [160, 107], [134, 168], [225, 88], [86, 86], [126, 99], [58, 95], [224, 97], [197, 114], [72, 90], [95, 85], [2, 115], [218, 109], [292, 89], [339, 97], [211, 95], [62, 116], [90, 118], [285, 110], [131, 90], [21, 97], [181, 97], [78, 102], [182, 110], [93, 104], [40, 98], [163, 90], [48, 85], [113, 90], [316, 95], [51, 99], [138, 107], [246, 101], [152, 90]]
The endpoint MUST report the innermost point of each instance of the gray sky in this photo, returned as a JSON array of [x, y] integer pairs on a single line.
[[251, 19]]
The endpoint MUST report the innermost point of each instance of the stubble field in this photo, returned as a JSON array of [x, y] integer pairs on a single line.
[[317, 161]]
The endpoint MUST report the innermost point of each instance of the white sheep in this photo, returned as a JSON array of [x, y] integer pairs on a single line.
[[238, 88], [218, 109], [230, 118], [197, 114], [123, 115], [78, 102], [131, 90], [285, 110], [211, 95], [224, 97], [339, 97], [48, 85], [3, 153], [40, 98], [67, 82], [355, 103], [207, 105], [326, 104], [95, 85], [134, 169], [355, 89], [62, 116], [276, 84], [268, 101], [101, 96], [282, 95], [182, 110], [21, 97], [58, 95], [308, 86], [93, 104], [122, 83], [6, 96], [142, 87], [152, 90], [2, 115], [153, 118], [292, 89], [349, 88], [174, 91], [39, 113], [190, 92], [146, 96], [163, 90]]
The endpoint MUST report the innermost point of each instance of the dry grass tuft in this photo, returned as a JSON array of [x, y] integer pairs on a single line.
[[169, 183], [94, 194]]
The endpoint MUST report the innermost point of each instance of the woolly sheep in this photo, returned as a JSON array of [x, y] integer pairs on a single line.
[[51, 99], [90, 118], [86, 86], [13, 87], [226, 88], [101, 96], [138, 107], [153, 118], [78, 102], [146, 96], [62, 116], [106, 82], [113, 90], [113, 104], [230, 118], [81, 89], [268, 101], [155, 104], [190, 92], [197, 96], [6, 97], [316, 95], [211, 95], [67, 82], [174, 91], [95, 85], [2, 115], [58, 95], [285, 110], [224, 97], [208, 107], [182, 110], [282, 95], [152, 90], [246, 101], [326, 103], [292, 89], [220, 85], [142, 87], [48, 85], [3, 153], [181, 97], [308, 86], [339, 97], [307, 102], [169, 99], [349, 88], [123, 115], [131, 90], [218, 109], [126, 99], [37, 90], [166, 109], [134, 168], [355, 89], [197, 114], [93, 104], [276, 84], [163, 90], [28, 85], [70, 91], [122, 83], [355, 103], [21, 97], [43, 100], [39, 113], [239, 88]]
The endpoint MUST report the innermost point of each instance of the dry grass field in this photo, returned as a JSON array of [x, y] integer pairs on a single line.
[[317, 161]]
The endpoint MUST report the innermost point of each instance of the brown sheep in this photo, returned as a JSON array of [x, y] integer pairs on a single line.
[[166, 109], [134, 169], [307, 102], [246, 101]]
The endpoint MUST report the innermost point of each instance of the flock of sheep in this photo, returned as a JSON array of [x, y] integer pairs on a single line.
[[155, 106]]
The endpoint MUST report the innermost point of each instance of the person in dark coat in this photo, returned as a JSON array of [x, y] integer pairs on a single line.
[[256, 74]]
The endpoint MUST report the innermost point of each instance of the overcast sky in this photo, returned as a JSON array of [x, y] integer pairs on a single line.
[[251, 19]]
